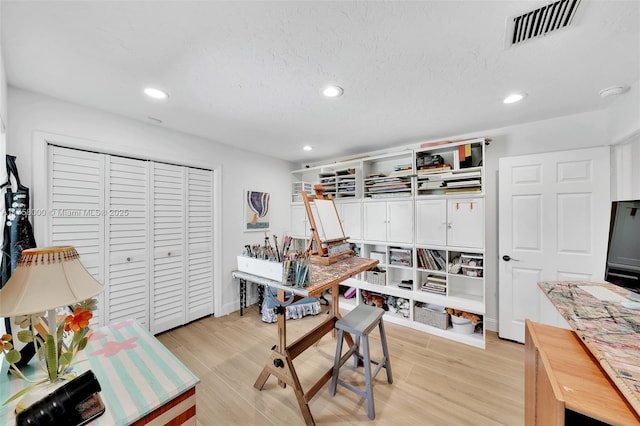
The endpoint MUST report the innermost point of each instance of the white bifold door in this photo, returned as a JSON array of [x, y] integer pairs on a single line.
[[553, 225], [143, 228]]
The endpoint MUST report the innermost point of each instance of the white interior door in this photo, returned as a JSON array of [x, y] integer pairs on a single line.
[[553, 225], [127, 259], [76, 203], [199, 243], [168, 295]]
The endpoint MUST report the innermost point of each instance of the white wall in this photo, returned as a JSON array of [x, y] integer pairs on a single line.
[[623, 115], [3, 121], [31, 113], [3, 87], [623, 129]]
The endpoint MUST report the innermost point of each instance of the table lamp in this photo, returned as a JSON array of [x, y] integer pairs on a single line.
[[46, 279]]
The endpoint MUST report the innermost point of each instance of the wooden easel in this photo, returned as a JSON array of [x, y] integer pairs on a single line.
[[328, 251]]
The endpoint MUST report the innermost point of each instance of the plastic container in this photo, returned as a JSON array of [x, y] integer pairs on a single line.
[[462, 325]]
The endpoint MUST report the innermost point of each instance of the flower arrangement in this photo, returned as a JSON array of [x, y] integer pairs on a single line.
[[55, 353]]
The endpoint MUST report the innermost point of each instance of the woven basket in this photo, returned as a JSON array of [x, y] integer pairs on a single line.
[[375, 277], [434, 319]]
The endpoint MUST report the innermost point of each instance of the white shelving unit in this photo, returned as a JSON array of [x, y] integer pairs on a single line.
[[421, 214]]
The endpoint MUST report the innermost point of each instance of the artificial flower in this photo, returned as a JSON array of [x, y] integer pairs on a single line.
[[5, 342], [78, 320]]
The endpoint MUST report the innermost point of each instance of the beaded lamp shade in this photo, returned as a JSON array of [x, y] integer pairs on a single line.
[[44, 279]]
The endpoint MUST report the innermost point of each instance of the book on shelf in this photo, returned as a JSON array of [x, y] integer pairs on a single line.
[[393, 194], [433, 279], [458, 190], [433, 288], [461, 183], [434, 169], [431, 185], [462, 175], [431, 259]]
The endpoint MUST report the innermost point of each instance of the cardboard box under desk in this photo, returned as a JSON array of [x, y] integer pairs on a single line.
[[262, 268]]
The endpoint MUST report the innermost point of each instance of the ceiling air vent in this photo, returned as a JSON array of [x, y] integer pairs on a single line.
[[542, 21]]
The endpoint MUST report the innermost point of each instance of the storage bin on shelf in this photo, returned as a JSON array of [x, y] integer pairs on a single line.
[[298, 187], [464, 322], [462, 325], [471, 264], [429, 314], [376, 277]]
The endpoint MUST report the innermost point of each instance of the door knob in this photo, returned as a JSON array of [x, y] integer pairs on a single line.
[[507, 258]]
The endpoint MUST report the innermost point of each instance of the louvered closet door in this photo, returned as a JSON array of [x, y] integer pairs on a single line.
[[76, 203], [199, 243], [127, 258], [168, 295]]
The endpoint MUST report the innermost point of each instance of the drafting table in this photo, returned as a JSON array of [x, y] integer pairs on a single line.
[[280, 363]]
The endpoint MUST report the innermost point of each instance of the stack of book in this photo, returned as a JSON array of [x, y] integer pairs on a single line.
[[402, 170], [434, 169], [435, 284], [462, 182], [378, 183], [431, 259]]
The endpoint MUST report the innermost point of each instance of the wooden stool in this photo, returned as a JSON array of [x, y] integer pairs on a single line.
[[359, 322]]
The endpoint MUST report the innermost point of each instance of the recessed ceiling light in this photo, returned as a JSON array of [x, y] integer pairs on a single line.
[[155, 93], [332, 91], [613, 91], [307, 148], [514, 97]]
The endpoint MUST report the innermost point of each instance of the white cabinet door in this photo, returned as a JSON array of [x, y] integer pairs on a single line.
[[431, 222], [375, 221], [199, 243], [127, 230], [299, 222], [465, 219], [400, 221], [168, 296], [351, 218], [390, 221]]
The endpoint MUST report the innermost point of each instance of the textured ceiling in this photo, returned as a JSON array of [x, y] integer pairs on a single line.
[[249, 74]]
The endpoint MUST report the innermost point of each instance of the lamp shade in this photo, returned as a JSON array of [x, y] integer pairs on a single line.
[[47, 278]]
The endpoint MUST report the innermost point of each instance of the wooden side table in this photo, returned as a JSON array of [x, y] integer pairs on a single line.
[[562, 380]]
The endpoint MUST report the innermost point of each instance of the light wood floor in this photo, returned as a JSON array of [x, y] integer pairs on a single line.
[[436, 381]]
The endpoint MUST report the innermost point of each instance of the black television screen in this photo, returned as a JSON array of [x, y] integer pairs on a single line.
[[623, 253]]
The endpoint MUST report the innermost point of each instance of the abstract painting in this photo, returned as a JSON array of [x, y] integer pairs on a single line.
[[256, 211]]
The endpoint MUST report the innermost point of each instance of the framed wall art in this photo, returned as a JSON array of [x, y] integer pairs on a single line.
[[256, 207]]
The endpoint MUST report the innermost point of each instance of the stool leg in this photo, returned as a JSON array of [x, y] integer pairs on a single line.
[[385, 352], [367, 377], [356, 355], [336, 364]]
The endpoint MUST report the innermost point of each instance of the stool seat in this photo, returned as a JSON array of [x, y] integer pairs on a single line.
[[360, 322]]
